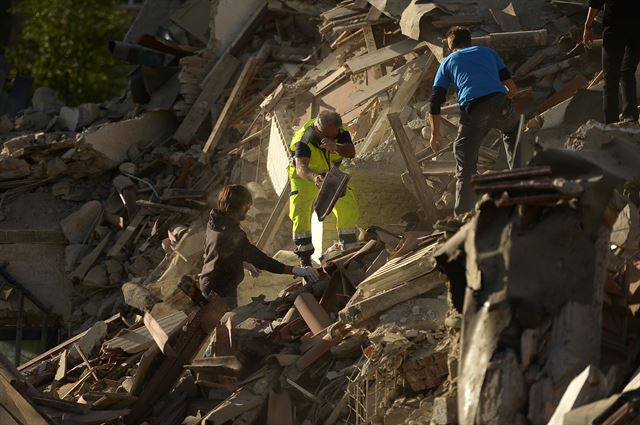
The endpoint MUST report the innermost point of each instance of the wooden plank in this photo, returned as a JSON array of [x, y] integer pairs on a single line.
[[378, 86], [127, 234], [224, 70], [188, 342], [88, 261], [239, 88], [507, 19], [380, 56], [275, 219], [370, 42], [358, 313], [140, 339], [329, 80], [447, 22], [421, 70], [85, 360], [62, 367], [158, 334], [565, 92], [423, 191], [18, 407]]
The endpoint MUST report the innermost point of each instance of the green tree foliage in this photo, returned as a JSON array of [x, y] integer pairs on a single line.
[[63, 45]]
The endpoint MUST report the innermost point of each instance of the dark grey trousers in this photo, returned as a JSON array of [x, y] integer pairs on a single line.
[[495, 111]]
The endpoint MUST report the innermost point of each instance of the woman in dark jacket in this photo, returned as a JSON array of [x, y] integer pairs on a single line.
[[227, 247]]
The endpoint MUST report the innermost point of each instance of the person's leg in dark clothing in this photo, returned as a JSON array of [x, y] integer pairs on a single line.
[[507, 121], [613, 49], [628, 79], [473, 128]]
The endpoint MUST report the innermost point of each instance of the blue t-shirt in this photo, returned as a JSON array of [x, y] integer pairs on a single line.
[[474, 71]]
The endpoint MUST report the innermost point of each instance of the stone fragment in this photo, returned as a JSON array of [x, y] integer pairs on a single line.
[[13, 168], [6, 124], [33, 120], [46, 99], [56, 167], [503, 392], [76, 225], [138, 296], [445, 410], [96, 277], [90, 341]]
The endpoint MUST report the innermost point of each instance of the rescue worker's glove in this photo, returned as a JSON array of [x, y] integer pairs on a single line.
[[309, 273]]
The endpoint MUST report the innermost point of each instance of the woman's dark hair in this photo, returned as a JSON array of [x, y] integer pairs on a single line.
[[459, 37], [233, 197]]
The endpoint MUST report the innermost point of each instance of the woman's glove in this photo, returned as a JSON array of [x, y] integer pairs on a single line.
[[309, 273]]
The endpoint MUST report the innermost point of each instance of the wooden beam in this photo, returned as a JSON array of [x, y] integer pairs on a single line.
[[239, 88], [223, 70], [158, 334], [126, 235], [380, 56], [88, 261], [370, 42], [275, 219], [188, 342], [423, 192]]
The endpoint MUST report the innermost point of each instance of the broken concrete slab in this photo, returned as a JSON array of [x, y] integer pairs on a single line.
[[46, 99], [76, 225], [113, 140], [79, 117], [13, 168], [588, 386]]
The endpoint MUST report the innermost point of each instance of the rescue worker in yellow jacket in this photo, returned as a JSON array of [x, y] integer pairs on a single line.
[[315, 148]]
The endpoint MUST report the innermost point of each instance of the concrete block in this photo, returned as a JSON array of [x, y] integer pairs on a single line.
[[68, 119], [113, 140], [13, 168], [445, 410], [46, 99], [90, 341], [96, 277], [6, 124], [138, 296], [33, 120], [56, 167], [503, 392], [76, 225], [574, 343], [588, 386]]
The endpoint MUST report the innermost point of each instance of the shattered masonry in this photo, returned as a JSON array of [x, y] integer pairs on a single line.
[[523, 313]]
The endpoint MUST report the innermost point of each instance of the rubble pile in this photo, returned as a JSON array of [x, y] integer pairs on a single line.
[[525, 314]]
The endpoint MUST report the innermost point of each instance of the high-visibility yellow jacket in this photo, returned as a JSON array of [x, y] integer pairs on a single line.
[[321, 160]]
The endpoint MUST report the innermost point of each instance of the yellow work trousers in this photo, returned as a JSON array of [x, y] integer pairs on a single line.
[[303, 194]]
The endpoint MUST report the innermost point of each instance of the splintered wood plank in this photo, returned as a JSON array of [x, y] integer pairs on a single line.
[[380, 56], [370, 42], [188, 342], [224, 69], [225, 116], [158, 334], [275, 219], [126, 235], [88, 261], [17, 407], [140, 339], [423, 191]]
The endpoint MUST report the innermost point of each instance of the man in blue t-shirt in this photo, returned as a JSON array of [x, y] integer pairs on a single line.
[[484, 88]]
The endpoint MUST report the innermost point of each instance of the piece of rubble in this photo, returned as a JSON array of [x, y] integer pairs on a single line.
[[96, 277], [13, 168], [46, 100], [32, 120], [56, 167], [6, 124], [76, 225], [138, 296]]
